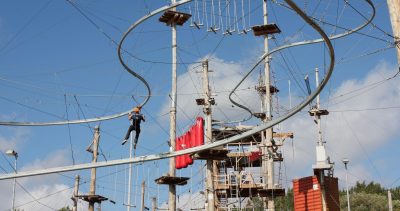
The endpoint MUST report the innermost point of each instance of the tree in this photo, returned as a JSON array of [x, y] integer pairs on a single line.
[[371, 196], [65, 209], [286, 202]]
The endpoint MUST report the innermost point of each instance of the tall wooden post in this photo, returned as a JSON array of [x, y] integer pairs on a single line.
[[142, 196], [129, 205], [267, 151], [154, 203], [390, 204], [210, 193], [394, 11], [92, 190], [76, 192], [320, 144], [172, 132]]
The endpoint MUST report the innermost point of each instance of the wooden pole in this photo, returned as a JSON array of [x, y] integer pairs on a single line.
[[267, 160], [394, 11], [208, 136], [142, 196], [172, 132], [320, 143], [92, 190], [76, 192], [128, 206], [390, 201], [154, 203]]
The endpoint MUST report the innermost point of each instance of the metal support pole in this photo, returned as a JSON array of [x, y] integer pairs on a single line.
[[128, 205], [394, 11], [15, 182], [318, 117], [320, 143], [267, 161], [345, 161], [154, 203], [96, 141], [142, 196], [390, 204], [76, 192], [208, 127], [172, 134]]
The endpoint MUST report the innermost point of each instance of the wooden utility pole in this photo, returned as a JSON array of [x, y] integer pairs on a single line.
[[394, 11], [210, 193], [142, 196], [267, 150], [76, 192], [390, 204], [320, 145], [92, 190], [172, 124], [154, 203], [128, 206], [322, 162]]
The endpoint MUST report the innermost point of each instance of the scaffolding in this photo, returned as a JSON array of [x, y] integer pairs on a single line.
[[239, 178]]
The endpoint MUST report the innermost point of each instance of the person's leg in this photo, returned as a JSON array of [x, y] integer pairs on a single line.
[[128, 133], [136, 137]]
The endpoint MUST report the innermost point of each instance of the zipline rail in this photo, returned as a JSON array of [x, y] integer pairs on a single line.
[[256, 129]]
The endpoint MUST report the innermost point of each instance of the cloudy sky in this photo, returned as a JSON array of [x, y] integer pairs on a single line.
[[58, 62]]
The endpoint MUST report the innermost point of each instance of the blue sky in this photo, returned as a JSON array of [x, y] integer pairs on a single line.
[[56, 65]]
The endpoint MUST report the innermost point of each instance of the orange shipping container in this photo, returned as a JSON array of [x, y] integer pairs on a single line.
[[308, 196]]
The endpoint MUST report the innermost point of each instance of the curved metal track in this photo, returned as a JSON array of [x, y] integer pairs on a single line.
[[97, 119], [294, 45], [256, 129]]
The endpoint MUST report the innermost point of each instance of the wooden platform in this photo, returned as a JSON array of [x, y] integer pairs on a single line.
[[260, 115], [250, 191], [168, 180], [272, 89], [171, 18], [272, 192], [265, 29], [226, 132], [318, 112], [211, 154], [92, 198]]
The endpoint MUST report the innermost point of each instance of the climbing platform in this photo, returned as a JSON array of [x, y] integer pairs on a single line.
[[168, 180], [92, 198], [171, 18], [211, 154], [271, 192], [318, 112], [267, 29], [272, 89]]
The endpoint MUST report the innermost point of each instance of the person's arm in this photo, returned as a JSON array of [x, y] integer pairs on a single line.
[[130, 116], [143, 118]]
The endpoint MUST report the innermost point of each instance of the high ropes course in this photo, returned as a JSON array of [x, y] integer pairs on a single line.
[[263, 126]]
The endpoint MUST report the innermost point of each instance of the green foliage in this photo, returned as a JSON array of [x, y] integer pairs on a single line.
[[372, 187], [65, 209], [285, 203], [364, 201], [371, 196]]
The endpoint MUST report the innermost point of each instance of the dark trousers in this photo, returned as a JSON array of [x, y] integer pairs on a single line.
[[130, 129]]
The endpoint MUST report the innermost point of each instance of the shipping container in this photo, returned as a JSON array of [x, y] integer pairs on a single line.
[[308, 195]]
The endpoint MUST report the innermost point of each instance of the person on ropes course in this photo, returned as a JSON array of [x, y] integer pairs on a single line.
[[135, 117]]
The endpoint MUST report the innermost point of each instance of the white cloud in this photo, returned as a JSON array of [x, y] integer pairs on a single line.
[[18, 136], [351, 134], [224, 76], [48, 189]]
